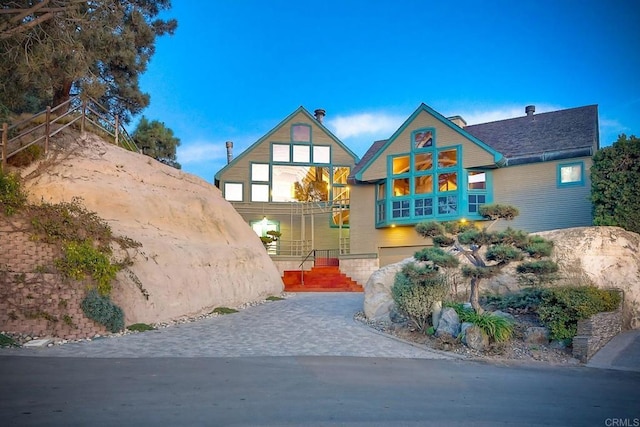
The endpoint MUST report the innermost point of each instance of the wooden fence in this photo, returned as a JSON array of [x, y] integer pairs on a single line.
[[85, 114]]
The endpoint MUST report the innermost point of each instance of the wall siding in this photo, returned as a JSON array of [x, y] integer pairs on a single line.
[[472, 154], [543, 206]]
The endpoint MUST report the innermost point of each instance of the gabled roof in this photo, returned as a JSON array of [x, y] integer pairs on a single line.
[[540, 137], [300, 109], [379, 146], [545, 136]]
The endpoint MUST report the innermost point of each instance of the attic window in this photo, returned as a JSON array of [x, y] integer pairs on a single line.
[[301, 133]]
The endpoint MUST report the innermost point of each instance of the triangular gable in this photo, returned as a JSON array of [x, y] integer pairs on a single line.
[[268, 135], [498, 157]]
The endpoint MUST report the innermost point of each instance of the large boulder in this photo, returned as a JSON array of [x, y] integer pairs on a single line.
[[197, 251], [449, 323], [378, 301], [609, 257]]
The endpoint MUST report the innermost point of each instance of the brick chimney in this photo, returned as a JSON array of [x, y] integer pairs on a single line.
[[319, 113]]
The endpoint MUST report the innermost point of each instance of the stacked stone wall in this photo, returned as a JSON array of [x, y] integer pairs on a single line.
[[594, 332], [34, 299]]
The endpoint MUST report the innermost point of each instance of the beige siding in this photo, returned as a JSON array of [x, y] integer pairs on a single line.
[[473, 155], [543, 206], [392, 242]]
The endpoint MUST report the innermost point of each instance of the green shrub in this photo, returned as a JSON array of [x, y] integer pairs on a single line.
[[497, 211], [437, 256], [140, 327], [224, 310], [414, 291], [538, 247], [101, 309], [84, 259], [497, 328], [541, 267], [26, 156], [527, 298], [6, 341], [562, 307], [274, 298], [12, 196]]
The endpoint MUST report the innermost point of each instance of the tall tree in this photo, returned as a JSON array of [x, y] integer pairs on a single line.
[[615, 179], [157, 141], [98, 47]]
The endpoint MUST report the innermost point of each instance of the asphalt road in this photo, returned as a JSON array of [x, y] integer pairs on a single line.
[[310, 391]]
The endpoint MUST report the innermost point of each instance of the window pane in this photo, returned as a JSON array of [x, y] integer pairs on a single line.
[[400, 165], [381, 191], [301, 154], [340, 174], [401, 187], [423, 139], [423, 162], [475, 201], [448, 181], [301, 133], [259, 193], [447, 158], [233, 192], [400, 209], [281, 153], [341, 194], [339, 215], [381, 214], [321, 154], [424, 184], [299, 183], [571, 173], [259, 172], [477, 181], [447, 205], [423, 207]]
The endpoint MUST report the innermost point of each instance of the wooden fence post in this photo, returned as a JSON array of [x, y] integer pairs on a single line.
[[84, 114], [5, 127], [117, 129], [47, 130]]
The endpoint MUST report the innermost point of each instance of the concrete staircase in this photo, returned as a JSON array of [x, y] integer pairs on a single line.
[[319, 279]]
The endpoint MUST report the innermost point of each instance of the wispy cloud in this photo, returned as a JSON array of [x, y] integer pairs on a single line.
[[201, 152], [378, 124]]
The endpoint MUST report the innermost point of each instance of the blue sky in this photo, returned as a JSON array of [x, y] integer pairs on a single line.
[[234, 69]]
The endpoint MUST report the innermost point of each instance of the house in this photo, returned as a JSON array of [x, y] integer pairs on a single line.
[[301, 180]]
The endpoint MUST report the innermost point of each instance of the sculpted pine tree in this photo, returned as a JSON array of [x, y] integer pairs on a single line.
[[487, 252], [52, 47]]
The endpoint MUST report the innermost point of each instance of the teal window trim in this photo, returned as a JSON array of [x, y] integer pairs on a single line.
[[313, 160], [420, 132], [487, 192], [268, 164], [429, 204], [224, 190], [306, 125], [288, 145], [579, 183]]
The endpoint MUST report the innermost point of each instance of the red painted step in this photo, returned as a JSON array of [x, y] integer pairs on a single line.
[[319, 279]]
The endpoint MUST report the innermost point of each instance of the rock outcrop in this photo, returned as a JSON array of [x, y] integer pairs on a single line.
[[197, 251]]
